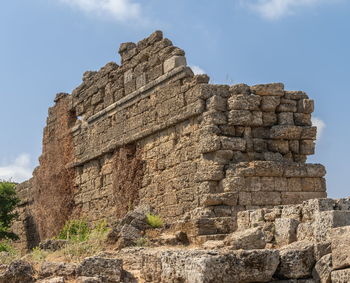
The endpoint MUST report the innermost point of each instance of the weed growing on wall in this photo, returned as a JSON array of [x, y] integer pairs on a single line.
[[154, 220]]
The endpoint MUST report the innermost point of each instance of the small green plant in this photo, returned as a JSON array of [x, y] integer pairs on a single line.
[[154, 220], [86, 241], [5, 246], [142, 242], [75, 230], [7, 252], [38, 255]]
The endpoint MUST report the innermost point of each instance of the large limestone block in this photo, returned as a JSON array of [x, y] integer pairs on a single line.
[[275, 89], [341, 276], [285, 231], [297, 261], [313, 206], [208, 267], [269, 103], [174, 62], [323, 269], [239, 89], [17, 272], [288, 132], [340, 238], [228, 198], [245, 118], [326, 220], [57, 269], [247, 240], [232, 143], [306, 106], [244, 102], [109, 270]]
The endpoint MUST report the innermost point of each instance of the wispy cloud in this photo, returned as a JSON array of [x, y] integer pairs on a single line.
[[121, 10], [197, 70], [19, 170], [275, 9], [320, 124]]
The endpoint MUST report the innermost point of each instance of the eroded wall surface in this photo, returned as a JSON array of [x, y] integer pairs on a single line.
[[150, 131]]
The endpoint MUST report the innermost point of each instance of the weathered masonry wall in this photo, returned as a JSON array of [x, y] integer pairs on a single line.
[[149, 131]]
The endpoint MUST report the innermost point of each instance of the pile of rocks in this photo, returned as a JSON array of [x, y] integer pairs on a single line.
[[91, 270]]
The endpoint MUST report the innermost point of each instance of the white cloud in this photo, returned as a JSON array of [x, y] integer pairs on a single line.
[[18, 171], [197, 70], [275, 9], [321, 125], [121, 10]]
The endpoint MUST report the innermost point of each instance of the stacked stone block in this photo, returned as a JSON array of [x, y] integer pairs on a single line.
[[201, 152]]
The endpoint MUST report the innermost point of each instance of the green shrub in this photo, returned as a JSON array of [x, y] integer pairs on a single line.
[[75, 230], [154, 220], [6, 247], [8, 203], [86, 241], [7, 252], [38, 255]]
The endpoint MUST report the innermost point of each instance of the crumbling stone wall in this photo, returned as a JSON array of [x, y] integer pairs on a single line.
[[149, 131]]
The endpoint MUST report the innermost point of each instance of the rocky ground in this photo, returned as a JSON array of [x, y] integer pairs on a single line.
[[293, 243]]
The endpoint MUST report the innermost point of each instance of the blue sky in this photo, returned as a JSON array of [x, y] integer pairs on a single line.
[[46, 45]]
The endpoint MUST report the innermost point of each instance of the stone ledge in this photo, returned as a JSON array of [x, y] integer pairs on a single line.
[[143, 91], [193, 110]]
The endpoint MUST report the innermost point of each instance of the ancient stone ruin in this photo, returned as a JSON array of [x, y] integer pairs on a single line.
[[223, 166]]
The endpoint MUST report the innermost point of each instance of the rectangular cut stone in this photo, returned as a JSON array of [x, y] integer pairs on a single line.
[[232, 143], [309, 133], [266, 198], [326, 220], [295, 95], [233, 184], [245, 198], [253, 184], [307, 147], [209, 144], [315, 170], [227, 198], [217, 103], [174, 62], [286, 118], [274, 89], [267, 168], [340, 276], [286, 132], [294, 184], [240, 117], [244, 102], [243, 220], [286, 107], [302, 119], [299, 197], [128, 76], [268, 184], [306, 106], [269, 103], [269, 119], [285, 231], [340, 238]]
